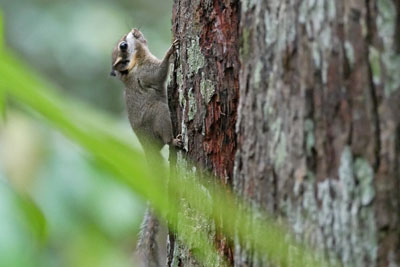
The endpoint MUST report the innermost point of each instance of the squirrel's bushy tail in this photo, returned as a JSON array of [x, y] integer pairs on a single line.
[[147, 251]]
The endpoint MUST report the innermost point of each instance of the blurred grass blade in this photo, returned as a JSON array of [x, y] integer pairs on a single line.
[[2, 92], [32, 216], [3, 104], [1, 30]]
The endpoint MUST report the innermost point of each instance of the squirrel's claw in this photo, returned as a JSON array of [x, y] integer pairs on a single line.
[[174, 46], [175, 43]]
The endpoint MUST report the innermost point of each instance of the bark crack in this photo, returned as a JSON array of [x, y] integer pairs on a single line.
[[373, 93]]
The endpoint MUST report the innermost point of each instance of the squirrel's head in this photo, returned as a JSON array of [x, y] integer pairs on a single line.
[[126, 51]]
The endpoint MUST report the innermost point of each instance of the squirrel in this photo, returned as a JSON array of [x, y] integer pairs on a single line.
[[144, 77]]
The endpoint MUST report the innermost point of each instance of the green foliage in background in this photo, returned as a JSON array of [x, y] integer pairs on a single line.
[[71, 41], [91, 219]]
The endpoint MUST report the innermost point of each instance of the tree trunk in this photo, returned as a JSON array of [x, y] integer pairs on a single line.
[[203, 93], [314, 137]]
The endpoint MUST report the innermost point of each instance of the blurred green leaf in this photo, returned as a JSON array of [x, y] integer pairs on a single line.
[[1, 31], [2, 105], [32, 216], [2, 92]]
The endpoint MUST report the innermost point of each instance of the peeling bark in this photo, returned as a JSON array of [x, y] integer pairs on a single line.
[[317, 137]]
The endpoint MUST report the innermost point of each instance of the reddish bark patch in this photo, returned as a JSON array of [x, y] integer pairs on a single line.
[[219, 44]]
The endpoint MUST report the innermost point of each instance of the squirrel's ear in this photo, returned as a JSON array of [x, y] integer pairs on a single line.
[[112, 73]]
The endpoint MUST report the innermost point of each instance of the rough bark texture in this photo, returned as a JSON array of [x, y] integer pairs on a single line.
[[203, 91], [317, 136]]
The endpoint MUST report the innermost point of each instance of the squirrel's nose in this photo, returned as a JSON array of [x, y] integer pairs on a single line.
[[123, 46]]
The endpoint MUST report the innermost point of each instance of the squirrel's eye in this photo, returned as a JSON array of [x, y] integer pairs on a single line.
[[123, 46]]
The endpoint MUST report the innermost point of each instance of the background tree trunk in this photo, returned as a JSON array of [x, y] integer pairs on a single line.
[[317, 135]]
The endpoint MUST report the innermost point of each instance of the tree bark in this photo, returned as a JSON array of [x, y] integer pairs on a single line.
[[203, 94], [314, 137]]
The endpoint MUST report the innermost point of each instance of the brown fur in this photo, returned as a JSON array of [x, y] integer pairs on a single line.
[[147, 249], [144, 77]]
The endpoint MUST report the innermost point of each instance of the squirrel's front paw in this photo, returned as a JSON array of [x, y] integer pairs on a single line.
[[174, 46], [177, 142], [175, 43]]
